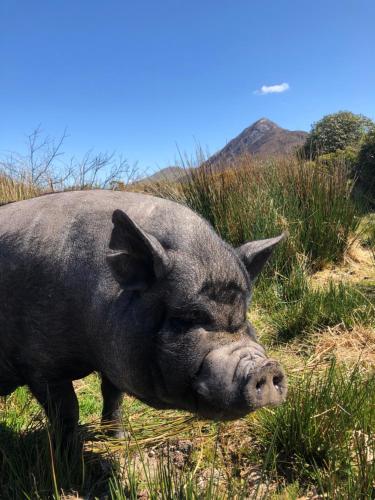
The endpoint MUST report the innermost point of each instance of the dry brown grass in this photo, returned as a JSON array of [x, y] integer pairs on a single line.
[[11, 190], [357, 266], [350, 347], [354, 346], [347, 346]]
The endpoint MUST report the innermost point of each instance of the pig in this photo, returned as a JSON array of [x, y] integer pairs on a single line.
[[139, 289]]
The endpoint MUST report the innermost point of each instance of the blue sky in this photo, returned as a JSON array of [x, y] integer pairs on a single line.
[[140, 77]]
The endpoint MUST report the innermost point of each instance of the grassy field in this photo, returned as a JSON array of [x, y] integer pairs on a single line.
[[314, 308]]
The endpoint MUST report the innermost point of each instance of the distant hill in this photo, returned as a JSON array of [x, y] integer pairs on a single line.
[[263, 138], [166, 174]]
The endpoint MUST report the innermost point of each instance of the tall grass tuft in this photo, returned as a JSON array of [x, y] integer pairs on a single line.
[[259, 199], [324, 434], [11, 190]]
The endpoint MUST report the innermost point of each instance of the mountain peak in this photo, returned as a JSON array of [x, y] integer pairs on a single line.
[[262, 138], [264, 121]]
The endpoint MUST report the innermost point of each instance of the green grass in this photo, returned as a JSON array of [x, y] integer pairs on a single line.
[[324, 434], [33, 465], [298, 309]]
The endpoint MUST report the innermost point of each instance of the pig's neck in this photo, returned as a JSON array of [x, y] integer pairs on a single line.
[[128, 344]]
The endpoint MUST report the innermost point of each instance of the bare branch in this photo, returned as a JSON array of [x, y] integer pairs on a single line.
[[44, 166]]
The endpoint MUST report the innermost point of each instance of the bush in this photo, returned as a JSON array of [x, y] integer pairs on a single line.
[[348, 158], [336, 131], [44, 167], [366, 166]]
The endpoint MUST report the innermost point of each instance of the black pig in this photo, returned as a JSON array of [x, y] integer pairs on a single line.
[[161, 315]]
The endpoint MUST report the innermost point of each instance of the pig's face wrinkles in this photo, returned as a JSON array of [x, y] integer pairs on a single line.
[[187, 349], [208, 356], [215, 306], [200, 316]]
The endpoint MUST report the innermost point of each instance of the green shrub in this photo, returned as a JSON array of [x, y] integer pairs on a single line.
[[336, 131], [347, 157], [366, 166]]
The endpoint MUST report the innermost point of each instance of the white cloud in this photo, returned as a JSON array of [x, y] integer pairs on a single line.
[[272, 89]]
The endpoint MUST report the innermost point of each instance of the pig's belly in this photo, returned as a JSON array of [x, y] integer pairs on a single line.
[[7, 388], [8, 384]]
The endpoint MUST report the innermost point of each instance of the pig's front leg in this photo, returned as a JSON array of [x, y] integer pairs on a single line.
[[60, 404], [111, 415]]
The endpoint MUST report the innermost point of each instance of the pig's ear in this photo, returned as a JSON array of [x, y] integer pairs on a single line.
[[255, 254], [139, 258]]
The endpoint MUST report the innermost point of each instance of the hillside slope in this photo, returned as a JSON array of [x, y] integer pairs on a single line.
[[263, 138]]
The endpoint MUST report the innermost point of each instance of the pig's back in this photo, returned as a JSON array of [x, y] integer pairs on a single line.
[[66, 235], [55, 219]]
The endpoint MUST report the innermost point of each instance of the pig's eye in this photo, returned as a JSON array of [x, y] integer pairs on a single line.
[[201, 317], [191, 319]]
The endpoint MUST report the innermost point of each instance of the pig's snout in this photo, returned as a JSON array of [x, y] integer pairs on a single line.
[[266, 385], [232, 383]]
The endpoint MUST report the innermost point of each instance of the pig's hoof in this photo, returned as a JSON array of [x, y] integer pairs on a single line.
[[121, 434], [115, 431]]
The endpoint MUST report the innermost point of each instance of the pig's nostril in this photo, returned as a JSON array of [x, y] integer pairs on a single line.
[[277, 381], [260, 384]]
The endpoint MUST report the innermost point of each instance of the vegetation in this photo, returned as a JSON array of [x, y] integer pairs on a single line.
[[261, 199], [44, 167], [321, 443], [324, 435], [337, 131], [366, 165], [11, 190]]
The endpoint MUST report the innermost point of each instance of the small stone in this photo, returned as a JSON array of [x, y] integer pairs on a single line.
[[179, 459], [143, 495]]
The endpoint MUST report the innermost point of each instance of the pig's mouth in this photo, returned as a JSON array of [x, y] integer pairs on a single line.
[[204, 408], [210, 412]]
